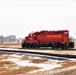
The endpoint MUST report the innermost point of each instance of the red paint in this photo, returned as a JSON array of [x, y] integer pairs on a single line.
[[48, 36]]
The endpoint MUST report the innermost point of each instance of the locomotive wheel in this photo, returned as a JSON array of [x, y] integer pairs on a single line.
[[53, 46], [27, 47], [37, 47], [23, 45], [57, 47], [66, 47], [62, 46]]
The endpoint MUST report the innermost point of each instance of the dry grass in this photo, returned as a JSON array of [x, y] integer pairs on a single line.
[[69, 63], [25, 58], [22, 70], [35, 60], [39, 61], [2, 63], [10, 45], [9, 68]]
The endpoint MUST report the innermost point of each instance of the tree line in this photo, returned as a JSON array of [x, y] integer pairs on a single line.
[[10, 39]]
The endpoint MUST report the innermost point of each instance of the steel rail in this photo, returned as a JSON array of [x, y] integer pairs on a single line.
[[49, 49]]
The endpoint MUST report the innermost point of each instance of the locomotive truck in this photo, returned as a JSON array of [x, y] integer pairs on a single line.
[[53, 39]]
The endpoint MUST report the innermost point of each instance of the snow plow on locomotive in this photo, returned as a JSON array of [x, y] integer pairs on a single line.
[[53, 39]]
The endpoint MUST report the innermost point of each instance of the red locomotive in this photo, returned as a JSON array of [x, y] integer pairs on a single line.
[[53, 39]]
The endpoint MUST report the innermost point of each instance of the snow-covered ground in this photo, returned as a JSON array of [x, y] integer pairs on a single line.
[[49, 64], [9, 48], [18, 61]]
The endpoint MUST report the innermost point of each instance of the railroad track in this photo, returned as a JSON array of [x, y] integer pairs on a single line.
[[46, 48], [41, 54], [43, 48]]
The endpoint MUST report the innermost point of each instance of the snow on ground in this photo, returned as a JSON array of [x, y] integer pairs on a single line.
[[16, 59], [72, 59], [41, 51], [43, 66], [9, 48], [16, 55]]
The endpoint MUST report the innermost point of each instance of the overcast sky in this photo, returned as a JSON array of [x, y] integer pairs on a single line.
[[21, 17]]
